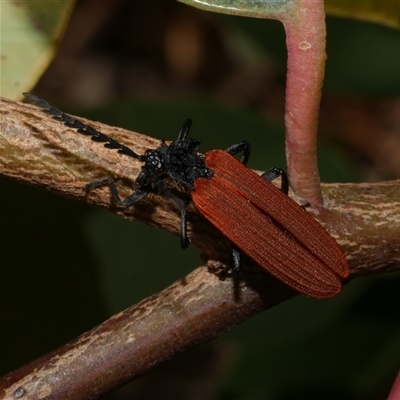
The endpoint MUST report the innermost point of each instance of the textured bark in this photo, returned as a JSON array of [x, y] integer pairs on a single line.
[[363, 218]]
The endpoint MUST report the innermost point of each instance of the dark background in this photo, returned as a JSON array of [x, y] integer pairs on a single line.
[[147, 66]]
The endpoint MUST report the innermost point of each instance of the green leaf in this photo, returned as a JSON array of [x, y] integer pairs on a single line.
[[30, 32], [255, 8], [386, 12]]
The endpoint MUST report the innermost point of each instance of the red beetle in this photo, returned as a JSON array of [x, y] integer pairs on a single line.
[[258, 218]]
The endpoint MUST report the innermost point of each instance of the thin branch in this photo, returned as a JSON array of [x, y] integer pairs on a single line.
[[198, 308], [38, 150]]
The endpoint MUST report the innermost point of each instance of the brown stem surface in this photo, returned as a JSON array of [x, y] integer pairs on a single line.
[[35, 149]]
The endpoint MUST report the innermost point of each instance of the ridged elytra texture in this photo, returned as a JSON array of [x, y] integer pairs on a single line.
[[239, 203]]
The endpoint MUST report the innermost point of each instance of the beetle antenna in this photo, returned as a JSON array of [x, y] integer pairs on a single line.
[[81, 128]]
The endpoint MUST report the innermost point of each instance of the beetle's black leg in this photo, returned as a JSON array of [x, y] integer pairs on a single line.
[[184, 237], [274, 173], [182, 207], [128, 201], [134, 197], [235, 263], [104, 182], [269, 175], [236, 259], [238, 148], [111, 185]]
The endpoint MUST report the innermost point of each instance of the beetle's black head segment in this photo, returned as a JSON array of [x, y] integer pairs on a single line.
[[179, 161], [155, 160], [182, 161]]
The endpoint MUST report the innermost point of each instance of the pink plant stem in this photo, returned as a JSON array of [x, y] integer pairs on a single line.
[[395, 391], [305, 39], [304, 22]]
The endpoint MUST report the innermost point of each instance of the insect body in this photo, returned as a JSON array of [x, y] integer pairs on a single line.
[[258, 218], [292, 246]]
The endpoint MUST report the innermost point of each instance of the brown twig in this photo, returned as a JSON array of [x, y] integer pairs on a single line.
[[38, 150]]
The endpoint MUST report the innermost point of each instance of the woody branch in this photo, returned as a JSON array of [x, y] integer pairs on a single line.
[[37, 150]]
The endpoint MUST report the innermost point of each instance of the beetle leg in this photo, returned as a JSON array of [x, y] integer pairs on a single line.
[[242, 146], [274, 173], [235, 263], [236, 259], [183, 208], [127, 202]]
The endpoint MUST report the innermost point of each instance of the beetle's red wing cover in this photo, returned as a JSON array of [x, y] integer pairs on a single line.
[[239, 203]]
